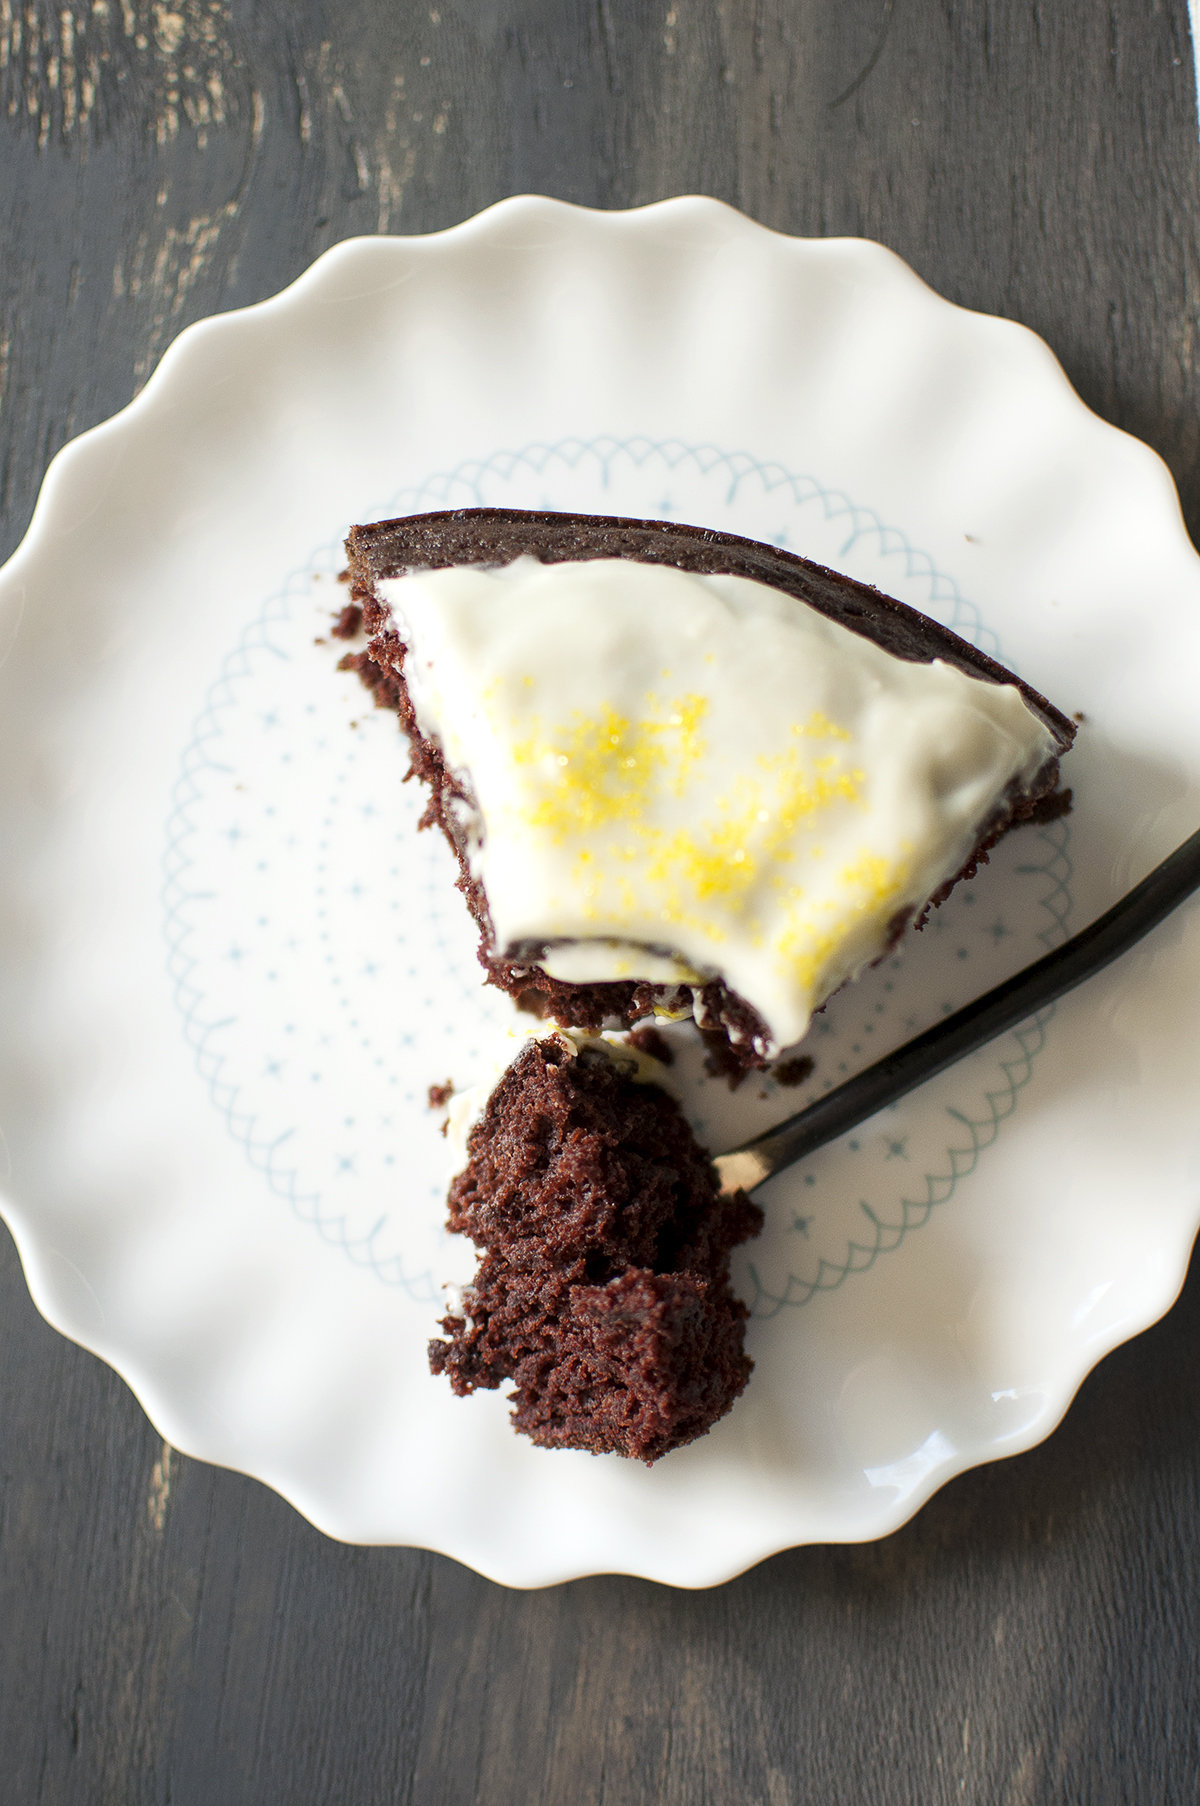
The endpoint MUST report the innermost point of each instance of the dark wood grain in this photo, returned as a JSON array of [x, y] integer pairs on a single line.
[[172, 1633]]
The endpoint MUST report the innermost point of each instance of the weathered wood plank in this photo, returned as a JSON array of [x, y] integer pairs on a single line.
[[174, 1633]]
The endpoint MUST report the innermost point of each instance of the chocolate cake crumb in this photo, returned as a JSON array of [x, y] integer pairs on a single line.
[[383, 685], [793, 1071], [603, 1288], [348, 625], [722, 1061], [440, 1095], [650, 1040], [1050, 808]]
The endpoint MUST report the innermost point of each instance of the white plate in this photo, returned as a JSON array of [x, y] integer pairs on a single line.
[[231, 970]]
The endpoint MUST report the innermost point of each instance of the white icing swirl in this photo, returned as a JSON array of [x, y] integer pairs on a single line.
[[678, 776]]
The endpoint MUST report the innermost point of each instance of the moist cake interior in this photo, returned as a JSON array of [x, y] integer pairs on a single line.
[[603, 1290]]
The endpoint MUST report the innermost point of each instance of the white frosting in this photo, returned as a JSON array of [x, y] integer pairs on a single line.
[[683, 776]]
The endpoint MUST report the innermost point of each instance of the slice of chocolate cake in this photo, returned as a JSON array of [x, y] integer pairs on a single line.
[[602, 1290], [684, 773]]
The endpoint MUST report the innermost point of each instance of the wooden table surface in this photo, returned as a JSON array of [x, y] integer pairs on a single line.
[[173, 1633]]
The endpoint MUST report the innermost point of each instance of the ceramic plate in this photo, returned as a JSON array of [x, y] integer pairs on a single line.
[[232, 969]]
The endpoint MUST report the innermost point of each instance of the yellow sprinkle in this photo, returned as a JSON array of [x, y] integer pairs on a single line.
[[809, 948], [607, 768], [820, 727]]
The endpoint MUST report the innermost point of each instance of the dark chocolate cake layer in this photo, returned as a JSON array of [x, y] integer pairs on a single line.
[[603, 1285], [494, 537]]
